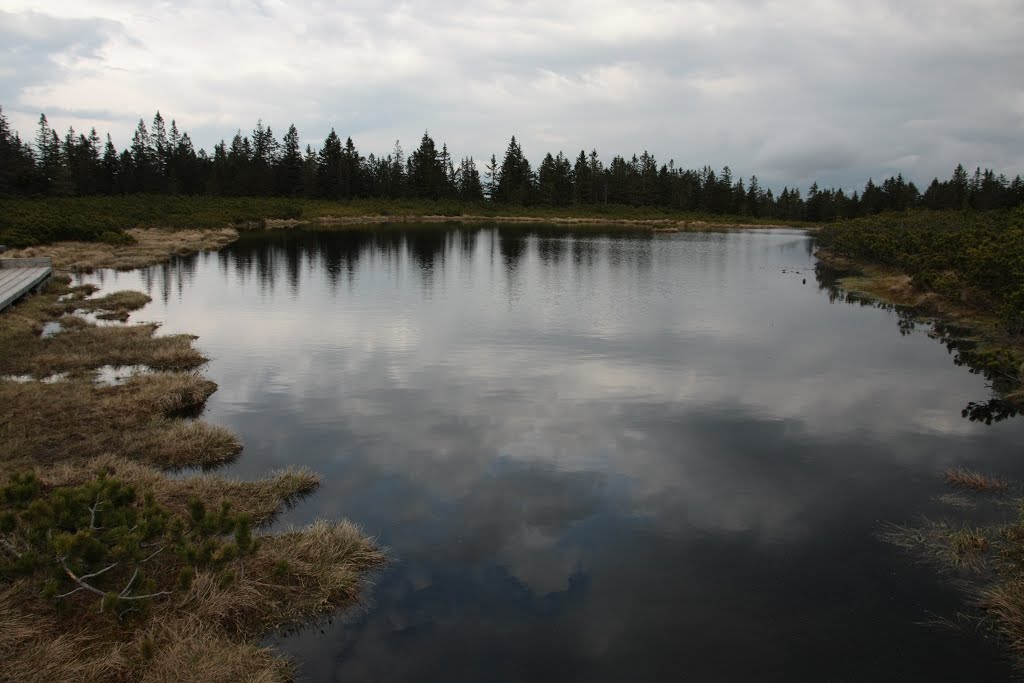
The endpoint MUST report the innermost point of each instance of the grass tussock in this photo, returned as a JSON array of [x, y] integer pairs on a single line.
[[75, 421], [215, 602], [80, 345], [263, 500], [975, 481], [144, 247], [209, 632], [295, 575], [945, 545], [988, 560], [189, 651], [1004, 602]]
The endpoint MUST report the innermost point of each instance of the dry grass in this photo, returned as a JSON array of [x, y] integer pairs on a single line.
[[325, 562], [208, 633], [151, 246], [988, 561], [69, 430], [1004, 602], [116, 305], [975, 481], [189, 651], [894, 286], [36, 648], [75, 421], [263, 499], [947, 546], [81, 346]]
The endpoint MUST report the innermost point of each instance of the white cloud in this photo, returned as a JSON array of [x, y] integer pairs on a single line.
[[827, 90]]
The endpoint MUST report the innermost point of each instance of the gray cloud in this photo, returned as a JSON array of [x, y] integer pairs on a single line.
[[40, 50], [822, 90]]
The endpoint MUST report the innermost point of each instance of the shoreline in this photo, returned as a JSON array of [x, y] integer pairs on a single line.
[[982, 556], [654, 224], [147, 246], [974, 333], [112, 452]]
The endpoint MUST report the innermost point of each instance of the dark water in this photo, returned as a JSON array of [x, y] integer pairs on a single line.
[[595, 456]]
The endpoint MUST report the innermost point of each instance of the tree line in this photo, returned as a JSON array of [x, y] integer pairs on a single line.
[[161, 159]]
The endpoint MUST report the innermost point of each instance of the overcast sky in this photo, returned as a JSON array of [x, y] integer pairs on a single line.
[[792, 91]]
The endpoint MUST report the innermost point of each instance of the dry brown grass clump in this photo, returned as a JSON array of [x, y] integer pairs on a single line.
[[116, 305], [1004, 602], [880, 282], [189, 651], [83, 346], [263, 500], [988, 561], [75, 421], [80, 345], [975, 481], [69, 431], [948, 546], [152, 245], [209, 632], [295, 575]]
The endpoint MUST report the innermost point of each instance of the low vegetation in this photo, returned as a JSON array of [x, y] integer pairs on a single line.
[[77, 420], [136, 230], [133, 248], [81, 345], [986, 560], [972, 259], [111, 570], [975, 481], [965, 269]]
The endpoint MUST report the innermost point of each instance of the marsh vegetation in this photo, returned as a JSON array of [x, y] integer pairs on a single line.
[[111, 570]]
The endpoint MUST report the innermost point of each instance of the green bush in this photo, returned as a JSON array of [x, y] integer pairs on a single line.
[[977, 253], [101, 539]]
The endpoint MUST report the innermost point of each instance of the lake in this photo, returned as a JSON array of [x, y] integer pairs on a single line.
[[595, 455]]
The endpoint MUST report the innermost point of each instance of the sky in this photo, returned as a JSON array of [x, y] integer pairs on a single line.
[[824, 90]]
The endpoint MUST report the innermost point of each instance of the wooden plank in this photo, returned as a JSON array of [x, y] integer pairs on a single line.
[[29, 279], [16, 276], [16, 288], [9, 275], [25, 262]]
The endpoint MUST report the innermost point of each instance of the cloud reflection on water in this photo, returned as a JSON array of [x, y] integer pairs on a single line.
[[582, 449]]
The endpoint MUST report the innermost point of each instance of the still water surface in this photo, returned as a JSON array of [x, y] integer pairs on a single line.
[[594, 456]]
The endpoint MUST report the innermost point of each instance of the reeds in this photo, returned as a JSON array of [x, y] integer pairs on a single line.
[[974, 481]]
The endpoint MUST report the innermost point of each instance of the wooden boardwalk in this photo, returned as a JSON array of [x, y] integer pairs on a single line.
[[19, 276]]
